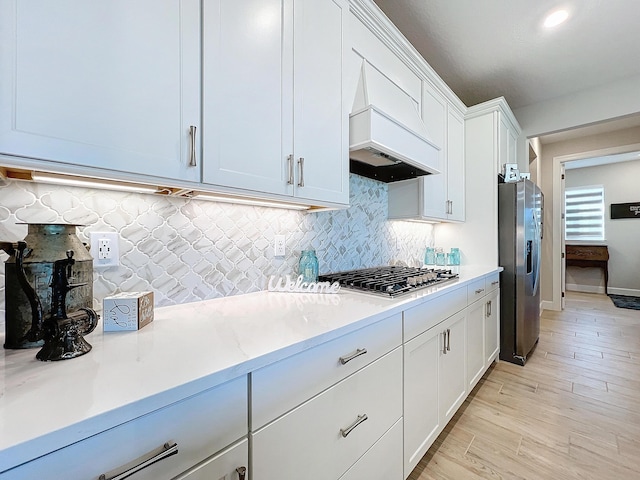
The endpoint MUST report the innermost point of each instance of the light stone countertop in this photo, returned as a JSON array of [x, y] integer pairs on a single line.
[[186, 349]]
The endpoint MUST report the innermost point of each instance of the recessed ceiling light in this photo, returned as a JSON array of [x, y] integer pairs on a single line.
[[556, 18]]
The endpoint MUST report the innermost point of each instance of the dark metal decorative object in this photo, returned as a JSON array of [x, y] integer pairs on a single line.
[[28, 277], [63, 333]]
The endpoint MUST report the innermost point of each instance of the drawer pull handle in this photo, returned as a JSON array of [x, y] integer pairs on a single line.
[[346, 431], [495, 282], [290, 164], [192, 155], [448, 339], [242, 472], [301, 167], [348, 358], [480, 290], [160, 453]]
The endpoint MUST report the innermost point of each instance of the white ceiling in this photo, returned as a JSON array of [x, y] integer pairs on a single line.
[[490, 48]]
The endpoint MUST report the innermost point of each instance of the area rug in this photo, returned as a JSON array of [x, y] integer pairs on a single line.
[[625, 301]]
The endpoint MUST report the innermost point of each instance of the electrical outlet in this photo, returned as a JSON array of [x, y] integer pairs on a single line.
[[104, 249], [279, 247]]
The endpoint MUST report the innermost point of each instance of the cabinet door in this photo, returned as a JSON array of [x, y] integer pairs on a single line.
[[452, 366], [230, 464], [320, 132], [421, 415], [455, 166], [475, 342], [111, 84], [492, 327], [200, 426], [325, 436], [507, 141], [247, 74], [434, 115], [383, 460]]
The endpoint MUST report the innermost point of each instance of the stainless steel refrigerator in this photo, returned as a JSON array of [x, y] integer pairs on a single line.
[[520, 207]]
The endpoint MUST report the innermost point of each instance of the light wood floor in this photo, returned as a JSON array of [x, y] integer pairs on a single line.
[[573, 412]]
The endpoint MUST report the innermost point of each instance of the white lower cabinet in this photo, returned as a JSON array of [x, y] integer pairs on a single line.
[[448, 346], [475, 342], [434, 377], [230, 464], [383, 460], [324, 437], [198, 426], [421, 384], [452, 385], [492, 327]]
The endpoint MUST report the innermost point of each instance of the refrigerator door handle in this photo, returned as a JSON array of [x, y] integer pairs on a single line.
[[536, 253]]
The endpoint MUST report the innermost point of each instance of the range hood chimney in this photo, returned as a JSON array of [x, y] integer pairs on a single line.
[[387, 139]]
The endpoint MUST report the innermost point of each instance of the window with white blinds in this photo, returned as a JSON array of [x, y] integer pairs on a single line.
[[584, 213]]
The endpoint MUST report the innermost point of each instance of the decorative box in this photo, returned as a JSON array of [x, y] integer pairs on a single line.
[[127, 311]]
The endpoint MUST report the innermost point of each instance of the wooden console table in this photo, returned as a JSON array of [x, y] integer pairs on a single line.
[[589, 256]]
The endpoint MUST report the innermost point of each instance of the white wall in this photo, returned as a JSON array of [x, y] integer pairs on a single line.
[[622, 236]]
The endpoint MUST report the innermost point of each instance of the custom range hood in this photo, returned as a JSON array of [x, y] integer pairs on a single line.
[[387, 139]]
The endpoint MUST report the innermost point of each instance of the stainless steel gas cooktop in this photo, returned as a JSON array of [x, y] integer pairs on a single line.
[[390, 281]]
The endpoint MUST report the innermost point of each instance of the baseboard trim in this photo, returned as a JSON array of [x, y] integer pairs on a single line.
[[572, 287], [547, 305], [630, 292]]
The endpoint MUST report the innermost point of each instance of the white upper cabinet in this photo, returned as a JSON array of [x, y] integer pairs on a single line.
[[111, 84], [507, 140], [273, 111], [441, 196]]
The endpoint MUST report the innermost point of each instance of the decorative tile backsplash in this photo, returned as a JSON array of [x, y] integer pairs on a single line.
[[187, 250]]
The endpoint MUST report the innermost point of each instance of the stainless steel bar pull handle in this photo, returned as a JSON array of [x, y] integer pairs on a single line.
[[495, 282], [160, 453], [301, 166], [346, 431], [448, 339], [489, 308], [480, 290], [192, 157], [242, 472], [290, 165], [351, 356], [444, 342]]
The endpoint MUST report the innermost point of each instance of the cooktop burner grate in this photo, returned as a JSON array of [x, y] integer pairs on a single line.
[[390, 281]]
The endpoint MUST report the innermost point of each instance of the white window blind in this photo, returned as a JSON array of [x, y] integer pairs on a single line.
[[584, 213]]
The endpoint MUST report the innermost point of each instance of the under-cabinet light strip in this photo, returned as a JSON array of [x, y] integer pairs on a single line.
[[247, 201], [87, 182]]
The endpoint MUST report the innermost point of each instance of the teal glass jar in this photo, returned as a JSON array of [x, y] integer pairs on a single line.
[[455, 256], [430, 257], [308, 266]]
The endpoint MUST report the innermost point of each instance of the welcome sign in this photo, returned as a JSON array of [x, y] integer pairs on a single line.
[[625, 210]]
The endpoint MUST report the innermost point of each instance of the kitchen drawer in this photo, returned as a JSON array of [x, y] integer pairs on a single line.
[[201, 425], [492, 282], [284, 385], [223, 466], [421, 318], [383, 460], [309, 441], [476, 290]]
